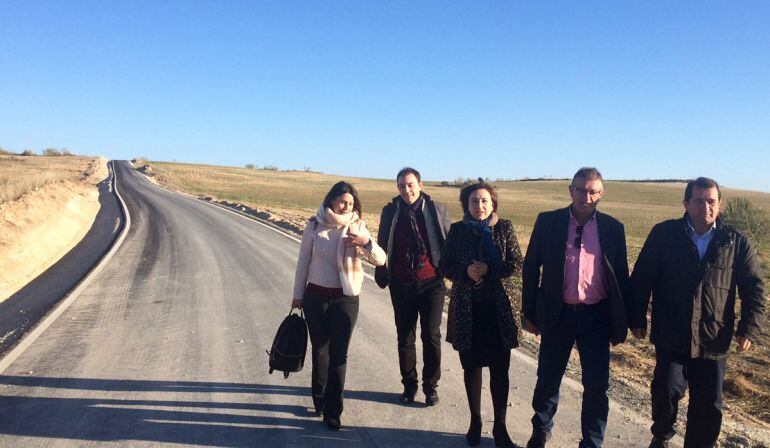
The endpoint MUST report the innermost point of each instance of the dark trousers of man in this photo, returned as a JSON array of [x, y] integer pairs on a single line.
[[331, 318], [426, 300], [588, 326], [673, 373]]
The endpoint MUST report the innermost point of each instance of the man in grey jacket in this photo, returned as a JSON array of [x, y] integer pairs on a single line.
[[412, 230], [692, 267]]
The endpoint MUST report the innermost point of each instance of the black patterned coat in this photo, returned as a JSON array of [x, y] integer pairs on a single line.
[[459, 252]]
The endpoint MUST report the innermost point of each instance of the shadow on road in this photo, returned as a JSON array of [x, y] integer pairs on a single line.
[[249, 422]]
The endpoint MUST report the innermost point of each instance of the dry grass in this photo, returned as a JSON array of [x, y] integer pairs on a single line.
[[22, 174], [638, 205]]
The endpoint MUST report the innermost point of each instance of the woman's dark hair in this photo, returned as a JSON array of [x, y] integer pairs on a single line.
[[338, 190], [465, 194]]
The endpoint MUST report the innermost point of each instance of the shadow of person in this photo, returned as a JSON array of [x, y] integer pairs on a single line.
[[206, 422]]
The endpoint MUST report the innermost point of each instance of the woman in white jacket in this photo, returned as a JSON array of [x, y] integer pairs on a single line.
[[326, 285]]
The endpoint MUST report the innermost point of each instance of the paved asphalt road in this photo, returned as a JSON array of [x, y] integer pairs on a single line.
[[166, 346], [25, 307]]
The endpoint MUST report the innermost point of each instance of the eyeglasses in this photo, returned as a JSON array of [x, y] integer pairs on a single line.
[[579, 238], [584, 191]]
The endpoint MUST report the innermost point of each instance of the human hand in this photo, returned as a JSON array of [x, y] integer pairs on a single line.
[[355, 240], [744, 343], [473, 273], [296, 303], [639, 333], [481, 267], [530, 327]]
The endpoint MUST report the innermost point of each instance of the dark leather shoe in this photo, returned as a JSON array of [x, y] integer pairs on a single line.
[[431, 398], [538, 439], [333, 423], [473, 436], [408, 395], [659, 443]]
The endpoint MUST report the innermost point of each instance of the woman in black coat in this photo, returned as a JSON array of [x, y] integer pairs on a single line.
[[480, 257]]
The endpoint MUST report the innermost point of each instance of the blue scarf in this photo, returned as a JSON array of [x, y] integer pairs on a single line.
[[484, 227]]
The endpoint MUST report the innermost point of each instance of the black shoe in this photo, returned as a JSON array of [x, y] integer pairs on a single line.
[[408, 395], [333, 423], [431, 398], [538, 439], [473, 436], [502, 439], [659, 443], [318, 412]]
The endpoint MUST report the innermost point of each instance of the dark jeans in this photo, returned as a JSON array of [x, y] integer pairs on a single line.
[[426, 299], [330, 322], [673, 373], [589, 327]]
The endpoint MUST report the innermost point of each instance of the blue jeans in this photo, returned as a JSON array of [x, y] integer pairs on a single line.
[[589, 327]]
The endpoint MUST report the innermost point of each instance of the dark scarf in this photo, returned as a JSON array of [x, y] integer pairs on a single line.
[[487, 249], [415, 245]]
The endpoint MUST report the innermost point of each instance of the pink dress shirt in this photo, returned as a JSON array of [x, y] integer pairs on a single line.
[[584, 278]]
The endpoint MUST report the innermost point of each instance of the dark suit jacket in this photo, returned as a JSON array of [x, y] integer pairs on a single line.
[[542, 296]]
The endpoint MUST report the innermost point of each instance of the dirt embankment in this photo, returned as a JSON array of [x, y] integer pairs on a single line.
[[43, 225]]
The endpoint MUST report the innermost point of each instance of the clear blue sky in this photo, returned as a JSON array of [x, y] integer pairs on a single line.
[[640, 89]]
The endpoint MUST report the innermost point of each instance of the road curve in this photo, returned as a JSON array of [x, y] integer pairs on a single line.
[[24, 309], [166, 346]]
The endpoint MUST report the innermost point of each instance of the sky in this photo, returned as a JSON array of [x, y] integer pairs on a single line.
[[508, 89]]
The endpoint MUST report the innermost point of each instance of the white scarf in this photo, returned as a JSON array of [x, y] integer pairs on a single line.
[[348, 263]]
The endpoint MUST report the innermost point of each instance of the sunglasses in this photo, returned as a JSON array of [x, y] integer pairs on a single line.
[[579, 238]]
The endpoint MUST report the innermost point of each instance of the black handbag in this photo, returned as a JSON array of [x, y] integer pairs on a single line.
[[289, 345]]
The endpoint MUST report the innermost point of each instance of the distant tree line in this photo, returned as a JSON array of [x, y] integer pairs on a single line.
[[48, 152], [251, 166]]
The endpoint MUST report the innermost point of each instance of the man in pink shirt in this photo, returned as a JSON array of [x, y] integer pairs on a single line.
[[578, 300]]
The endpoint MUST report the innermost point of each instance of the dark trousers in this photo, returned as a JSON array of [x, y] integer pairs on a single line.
[[330, 322], [589, 327], [673, 373], [426, 300]]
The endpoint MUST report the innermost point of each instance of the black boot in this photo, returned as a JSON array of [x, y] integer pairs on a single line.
[[498, 385], [502, 439]]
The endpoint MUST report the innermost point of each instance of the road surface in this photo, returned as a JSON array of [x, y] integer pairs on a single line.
[[166, 346]]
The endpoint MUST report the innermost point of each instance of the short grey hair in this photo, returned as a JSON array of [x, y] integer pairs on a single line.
[[587, 173]]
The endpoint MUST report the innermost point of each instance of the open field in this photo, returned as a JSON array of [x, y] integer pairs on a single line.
[[21, 174], [293, 196], [638, 205]]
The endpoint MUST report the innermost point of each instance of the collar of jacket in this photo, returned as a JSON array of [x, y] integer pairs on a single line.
[[720, 231], [605, 240], [566, 212]]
